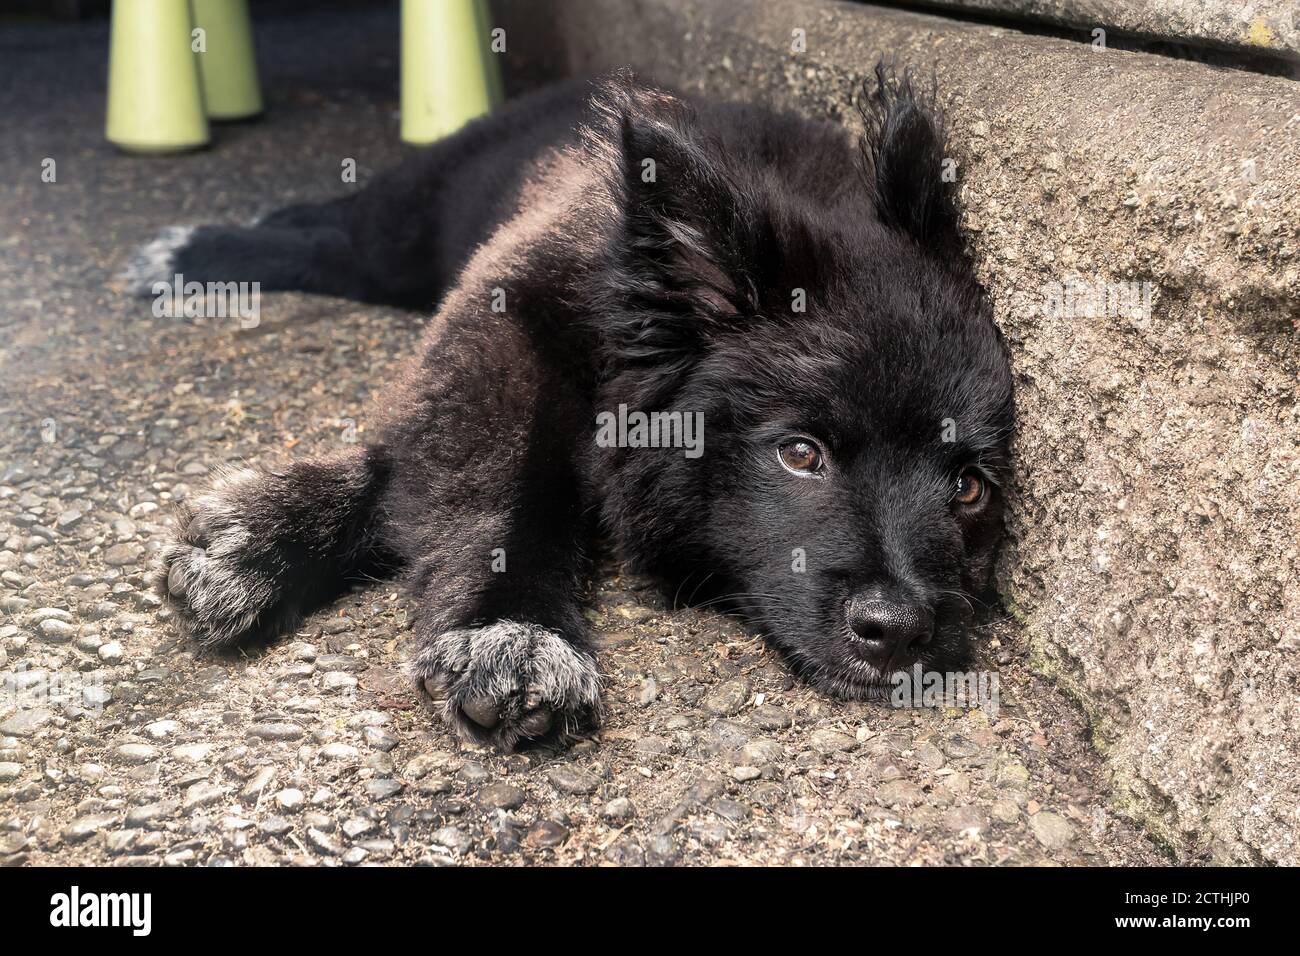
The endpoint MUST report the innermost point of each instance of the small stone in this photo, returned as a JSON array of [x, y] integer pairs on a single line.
[[727, 699], [379, 738], [54, 631], [1052, 830], [96, 696], [545, 834], [339, 752], [355, 855], [570, 779], [10, 771], [340, 662], [123, 554], [619, 809], [111, 653], [502, 796], [161, 729], [25, 722], [899, 793], [276, 731], [1006, 811], [649, 691], [120, 841], [290, 800], [89, 641], [150, 813], [201, 795], [275, 826], [1012, 776], [963, 819], [746, 773], [381, 788], [829, 741], [761, 752], [83, 828], [770, 717], [324, 842], [652, 745], [192, 753], [959, 747], [252, 790], [136, 753], [454, 839], [337, 680], [729, 734], [45, 613], [420, 766], [929, 756], [359, 826], [302, 651]]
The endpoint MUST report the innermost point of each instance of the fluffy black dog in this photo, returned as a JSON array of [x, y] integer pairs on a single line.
[[833, 397]]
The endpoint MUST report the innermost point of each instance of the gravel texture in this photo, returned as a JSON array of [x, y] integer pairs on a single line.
[[314, 750]]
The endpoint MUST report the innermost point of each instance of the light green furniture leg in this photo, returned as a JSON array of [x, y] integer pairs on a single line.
[[227, 63], [155, 102], [449, 73]]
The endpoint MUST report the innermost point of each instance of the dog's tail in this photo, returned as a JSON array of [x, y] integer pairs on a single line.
[[304, 247]]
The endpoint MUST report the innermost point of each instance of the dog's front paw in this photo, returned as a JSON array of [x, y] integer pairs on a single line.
[[219, 579], [508, 682]]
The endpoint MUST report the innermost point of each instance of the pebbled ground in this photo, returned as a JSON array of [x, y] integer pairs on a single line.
[[315, 750]]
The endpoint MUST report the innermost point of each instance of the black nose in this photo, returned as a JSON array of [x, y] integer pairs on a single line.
[[888, 631]]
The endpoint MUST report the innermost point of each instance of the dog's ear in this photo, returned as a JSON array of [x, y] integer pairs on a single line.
[[680, 268], [905, 165]]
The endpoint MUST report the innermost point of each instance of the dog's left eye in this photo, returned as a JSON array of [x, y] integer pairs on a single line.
[[971, 488], [801, 456]]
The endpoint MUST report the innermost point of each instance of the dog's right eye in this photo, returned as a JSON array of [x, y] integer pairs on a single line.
[[801, 456]]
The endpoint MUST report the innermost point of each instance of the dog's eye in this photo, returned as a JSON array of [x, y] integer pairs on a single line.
[[971, 488], [801, 456]]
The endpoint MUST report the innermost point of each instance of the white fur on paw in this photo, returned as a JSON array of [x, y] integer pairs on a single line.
[[209, 573], [155, 261], [516, 668]]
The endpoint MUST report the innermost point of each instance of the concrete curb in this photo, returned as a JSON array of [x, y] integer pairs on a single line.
[[1269, 26]]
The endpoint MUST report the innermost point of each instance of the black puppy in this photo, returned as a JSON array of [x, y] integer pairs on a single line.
[[745, 347]]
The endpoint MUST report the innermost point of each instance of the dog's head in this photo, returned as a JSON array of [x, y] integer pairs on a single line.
[[856, 395]]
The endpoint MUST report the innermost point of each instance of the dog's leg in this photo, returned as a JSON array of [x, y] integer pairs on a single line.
[[261, 548], [489, 517], [310, 258], [496, 568]]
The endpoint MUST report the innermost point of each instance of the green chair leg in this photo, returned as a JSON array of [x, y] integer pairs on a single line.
[[227, 63], [449, 74], [155, 102]]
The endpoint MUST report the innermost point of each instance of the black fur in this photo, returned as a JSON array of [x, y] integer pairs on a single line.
[[667, 293]]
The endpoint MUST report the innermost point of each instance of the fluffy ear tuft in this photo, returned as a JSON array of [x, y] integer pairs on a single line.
[[679, 267], [903, 152]]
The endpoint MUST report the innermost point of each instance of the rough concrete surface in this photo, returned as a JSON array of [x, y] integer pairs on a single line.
[[314, 750], [1271, 26], [1154, 556]]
